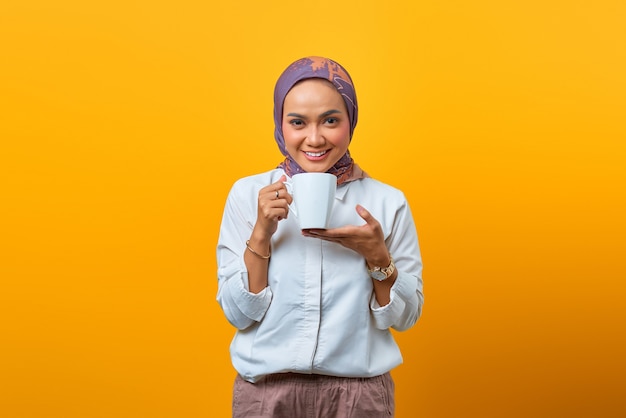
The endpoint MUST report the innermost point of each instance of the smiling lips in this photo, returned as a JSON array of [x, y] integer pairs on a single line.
[[315, 155]]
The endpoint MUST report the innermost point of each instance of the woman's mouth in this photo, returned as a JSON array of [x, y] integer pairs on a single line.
[[315, 155]]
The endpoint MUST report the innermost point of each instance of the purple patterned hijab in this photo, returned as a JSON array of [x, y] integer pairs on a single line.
[[317, 67]]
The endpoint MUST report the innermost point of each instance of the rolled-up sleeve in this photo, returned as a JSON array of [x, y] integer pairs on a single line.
[[404, 308], [406, 295]]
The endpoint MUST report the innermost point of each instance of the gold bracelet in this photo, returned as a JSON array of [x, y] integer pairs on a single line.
[[265, 257]]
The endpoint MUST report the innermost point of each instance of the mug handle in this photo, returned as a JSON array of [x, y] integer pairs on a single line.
[[289, 187]]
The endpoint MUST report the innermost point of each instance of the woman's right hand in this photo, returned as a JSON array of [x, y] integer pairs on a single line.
[[273, 206]]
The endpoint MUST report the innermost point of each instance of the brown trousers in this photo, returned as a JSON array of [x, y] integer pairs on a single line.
[[291, 395]]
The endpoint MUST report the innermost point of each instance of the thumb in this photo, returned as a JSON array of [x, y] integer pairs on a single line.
[[364, 213]]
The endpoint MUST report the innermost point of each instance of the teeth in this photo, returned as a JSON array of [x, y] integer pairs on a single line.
[[315, 154]]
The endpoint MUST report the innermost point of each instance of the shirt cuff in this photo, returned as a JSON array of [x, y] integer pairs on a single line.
[[252, 305], [388, 315]]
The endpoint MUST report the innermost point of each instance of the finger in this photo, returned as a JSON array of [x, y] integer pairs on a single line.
[[279, 194], [320, 235], [335, 233], [280, 184], [275, 213], [363, 213], [366, 215], [274, 192], [281, 191]]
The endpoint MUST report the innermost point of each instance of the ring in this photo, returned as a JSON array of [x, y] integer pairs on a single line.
[[276, 194]]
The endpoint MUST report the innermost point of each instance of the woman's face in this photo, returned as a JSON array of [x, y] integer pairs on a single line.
[[316, 126]]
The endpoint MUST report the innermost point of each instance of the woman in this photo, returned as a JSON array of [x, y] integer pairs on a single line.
[[313, 308]]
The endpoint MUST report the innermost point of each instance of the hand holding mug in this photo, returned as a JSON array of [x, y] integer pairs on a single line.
[[273, 206]]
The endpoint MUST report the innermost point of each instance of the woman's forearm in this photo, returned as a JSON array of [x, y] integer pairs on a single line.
[[257, 257]]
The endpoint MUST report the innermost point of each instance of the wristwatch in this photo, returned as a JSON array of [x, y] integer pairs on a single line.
[[382, 273]]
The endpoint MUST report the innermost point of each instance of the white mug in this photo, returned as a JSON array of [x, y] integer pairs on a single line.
[[313, 198]]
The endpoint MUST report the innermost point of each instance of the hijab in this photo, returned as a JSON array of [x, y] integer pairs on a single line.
[[317, 67]]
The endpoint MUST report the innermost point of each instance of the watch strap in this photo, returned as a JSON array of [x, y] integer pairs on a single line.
[[387, 271]]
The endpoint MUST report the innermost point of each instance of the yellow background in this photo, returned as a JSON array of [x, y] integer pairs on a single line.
[[124, 123]]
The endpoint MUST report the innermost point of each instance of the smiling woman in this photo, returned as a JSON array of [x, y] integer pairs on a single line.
[[314, 308], [316, 126]]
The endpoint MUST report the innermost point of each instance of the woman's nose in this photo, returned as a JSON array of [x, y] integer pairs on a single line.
[[315, 137]]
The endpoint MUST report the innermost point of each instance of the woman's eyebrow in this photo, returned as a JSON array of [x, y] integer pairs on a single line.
[[323, 115], [329, 112]]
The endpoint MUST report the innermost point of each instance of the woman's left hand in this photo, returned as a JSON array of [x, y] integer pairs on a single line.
[[367, 240]]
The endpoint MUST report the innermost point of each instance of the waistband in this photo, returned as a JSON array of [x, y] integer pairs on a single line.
[[319, 378]]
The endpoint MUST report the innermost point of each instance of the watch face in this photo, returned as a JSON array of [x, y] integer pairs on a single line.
[[378, 275]]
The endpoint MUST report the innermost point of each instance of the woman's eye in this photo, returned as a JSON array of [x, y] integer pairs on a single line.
[[331, 121], [296, 122]]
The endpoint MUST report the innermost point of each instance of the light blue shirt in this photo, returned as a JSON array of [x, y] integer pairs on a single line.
[[318, 313]]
